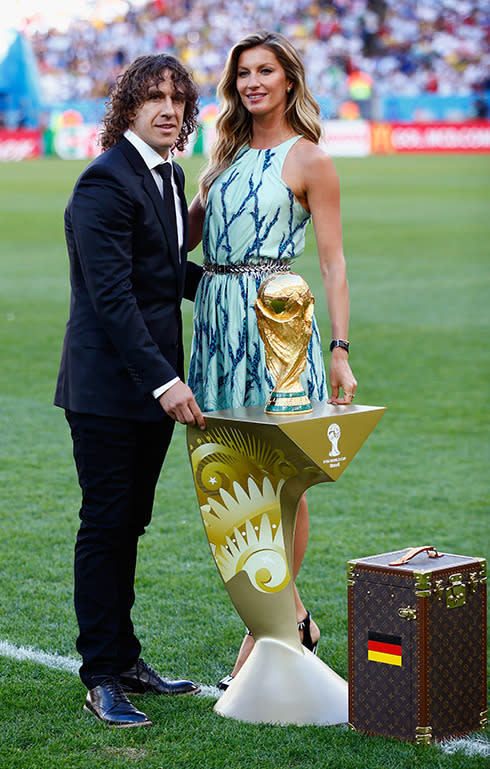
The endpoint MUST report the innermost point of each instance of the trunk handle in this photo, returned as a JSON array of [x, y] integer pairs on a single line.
[[413, 551]]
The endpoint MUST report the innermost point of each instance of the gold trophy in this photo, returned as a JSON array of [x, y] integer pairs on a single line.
[[284, 309], [250, 469]]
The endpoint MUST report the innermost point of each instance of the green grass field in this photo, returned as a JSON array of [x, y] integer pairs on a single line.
[[416, 234]]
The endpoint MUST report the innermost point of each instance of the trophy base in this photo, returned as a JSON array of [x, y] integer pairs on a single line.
[[288, 403], [281, 685]]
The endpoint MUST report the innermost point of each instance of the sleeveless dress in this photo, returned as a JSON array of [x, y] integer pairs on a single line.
[[251, 217]]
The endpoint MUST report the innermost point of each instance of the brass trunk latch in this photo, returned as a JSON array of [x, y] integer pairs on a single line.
[[406, 612], [456, 592]]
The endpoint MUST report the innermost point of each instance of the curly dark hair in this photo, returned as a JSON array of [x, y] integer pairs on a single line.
[[131, 91]]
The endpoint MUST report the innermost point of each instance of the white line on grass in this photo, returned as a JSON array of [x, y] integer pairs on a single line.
[[470, 746], [42, 658], [58, 662]]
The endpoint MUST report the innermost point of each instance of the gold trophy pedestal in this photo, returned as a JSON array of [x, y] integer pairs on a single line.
[[250, 469]]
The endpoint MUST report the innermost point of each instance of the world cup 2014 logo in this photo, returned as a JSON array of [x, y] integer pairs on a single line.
[[333, 434]]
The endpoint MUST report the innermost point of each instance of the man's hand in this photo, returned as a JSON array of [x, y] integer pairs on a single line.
[[179, 403]]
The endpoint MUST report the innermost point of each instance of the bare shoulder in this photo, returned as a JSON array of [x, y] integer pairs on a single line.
[[314, 160], [309, 171], [309, 166]]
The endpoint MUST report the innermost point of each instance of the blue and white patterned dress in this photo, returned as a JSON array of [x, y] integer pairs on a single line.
[[251, 216]]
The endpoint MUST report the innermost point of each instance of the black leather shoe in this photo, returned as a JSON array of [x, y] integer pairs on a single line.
[[109, 704], [142, 679]]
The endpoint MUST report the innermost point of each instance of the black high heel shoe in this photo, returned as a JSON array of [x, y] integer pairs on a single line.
[[307, 641], [226, 681]]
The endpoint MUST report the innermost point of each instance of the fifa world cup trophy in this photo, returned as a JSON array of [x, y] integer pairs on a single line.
[[284, 309]]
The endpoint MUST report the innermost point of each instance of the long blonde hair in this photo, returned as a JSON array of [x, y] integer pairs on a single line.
[[234, 122]]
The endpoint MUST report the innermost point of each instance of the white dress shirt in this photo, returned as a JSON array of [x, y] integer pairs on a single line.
[[153, 159]]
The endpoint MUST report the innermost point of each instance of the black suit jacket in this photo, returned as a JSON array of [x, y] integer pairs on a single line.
[[124, 334]]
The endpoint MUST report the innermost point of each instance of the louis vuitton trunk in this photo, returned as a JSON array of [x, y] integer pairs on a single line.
[[417, 644]]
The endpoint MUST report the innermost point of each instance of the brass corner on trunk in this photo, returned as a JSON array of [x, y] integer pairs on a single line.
[[422, 584], [423, 735], [351, 573]]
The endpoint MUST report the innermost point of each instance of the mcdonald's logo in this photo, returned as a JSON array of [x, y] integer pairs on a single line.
[[381, 143]]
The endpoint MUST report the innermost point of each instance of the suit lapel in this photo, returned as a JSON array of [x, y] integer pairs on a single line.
[[179, 180], [151, 190]]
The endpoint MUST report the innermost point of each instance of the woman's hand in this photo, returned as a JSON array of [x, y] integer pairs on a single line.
[[341, 378]]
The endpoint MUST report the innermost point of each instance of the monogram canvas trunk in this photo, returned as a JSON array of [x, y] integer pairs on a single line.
[[417, 644]]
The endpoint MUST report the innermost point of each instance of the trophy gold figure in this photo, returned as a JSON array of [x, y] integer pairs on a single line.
[[284, 309], [250, 469]]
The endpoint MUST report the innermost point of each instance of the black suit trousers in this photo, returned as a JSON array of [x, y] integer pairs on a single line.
[[118, 463]]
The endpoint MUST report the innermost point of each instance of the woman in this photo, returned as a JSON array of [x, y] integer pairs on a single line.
[[266, 178]]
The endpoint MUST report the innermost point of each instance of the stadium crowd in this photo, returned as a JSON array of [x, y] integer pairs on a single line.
[[403, 47]]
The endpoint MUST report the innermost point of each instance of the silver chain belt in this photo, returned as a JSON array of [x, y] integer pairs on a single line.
[[251, 268]]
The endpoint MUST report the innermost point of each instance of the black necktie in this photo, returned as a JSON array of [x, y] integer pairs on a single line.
[[165, 171]]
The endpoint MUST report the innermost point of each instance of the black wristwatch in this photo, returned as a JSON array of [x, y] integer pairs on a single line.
[[339, 343]]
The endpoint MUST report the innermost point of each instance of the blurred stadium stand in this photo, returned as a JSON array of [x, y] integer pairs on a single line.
[[426, 60]]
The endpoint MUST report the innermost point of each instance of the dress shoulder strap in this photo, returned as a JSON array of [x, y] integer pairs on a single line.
[[282, 149]]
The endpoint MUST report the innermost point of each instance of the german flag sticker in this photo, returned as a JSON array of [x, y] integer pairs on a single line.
[[385, 648]]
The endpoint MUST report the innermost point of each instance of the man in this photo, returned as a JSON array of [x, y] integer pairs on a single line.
[[121, 375]]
